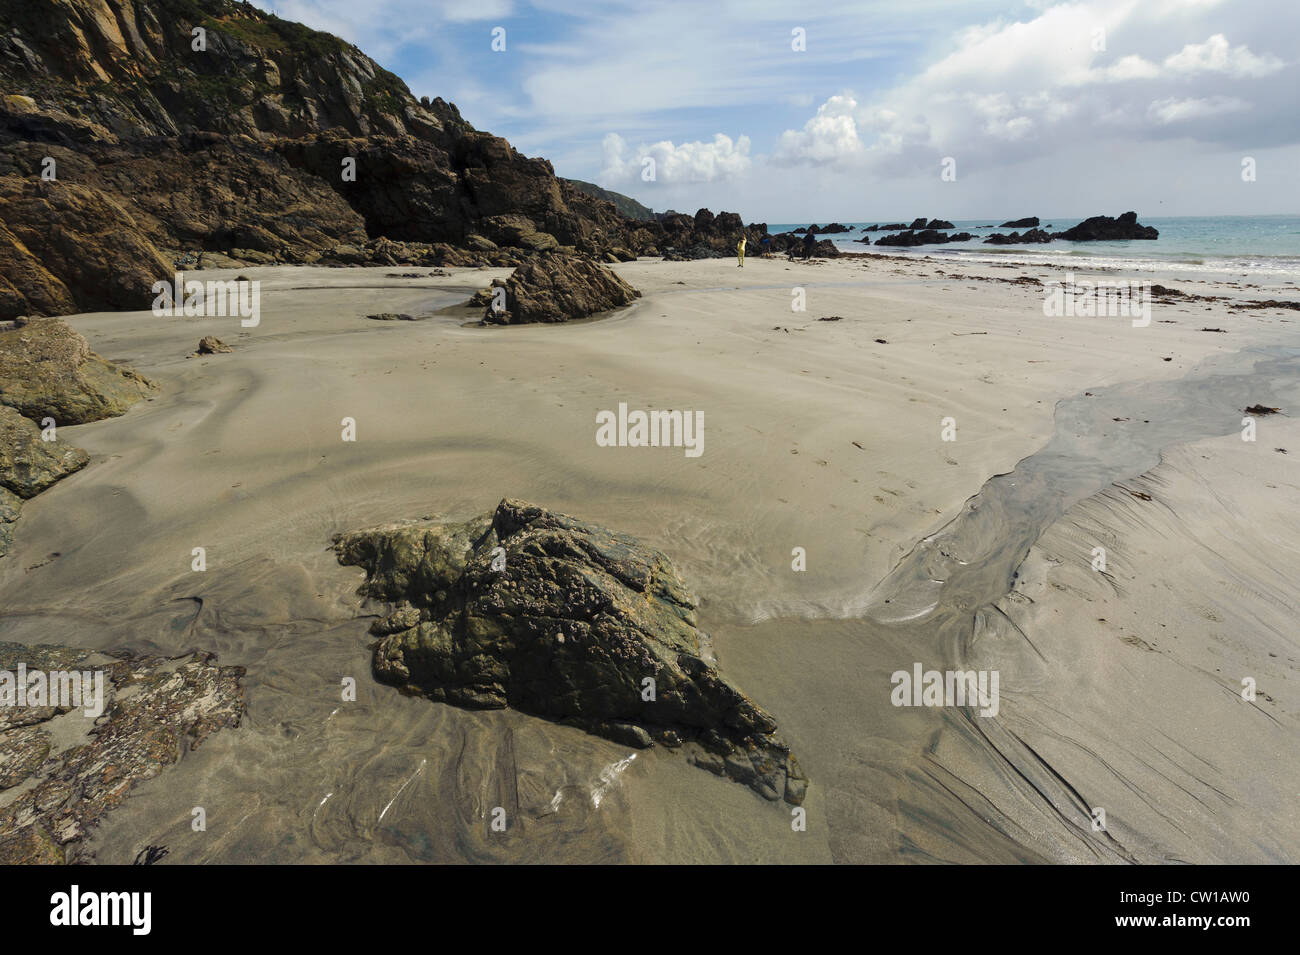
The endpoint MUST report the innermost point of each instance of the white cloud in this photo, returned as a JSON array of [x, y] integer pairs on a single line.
[[830, 136], [1215, 55], [713, 161], [1174, 110], [1010, 91]]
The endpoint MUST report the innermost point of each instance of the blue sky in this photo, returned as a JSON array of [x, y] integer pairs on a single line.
[[1043, 107]]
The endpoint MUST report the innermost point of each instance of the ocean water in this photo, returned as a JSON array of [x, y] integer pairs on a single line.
[[1265, 248]]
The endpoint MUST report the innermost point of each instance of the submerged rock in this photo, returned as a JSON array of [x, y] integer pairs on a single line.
[[565, 620], [74, 768], [48, 370], [557, 288]]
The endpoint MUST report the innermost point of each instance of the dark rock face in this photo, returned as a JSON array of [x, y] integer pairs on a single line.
[[558, 288], [834, 227], [48, 370], [1015, 238], [1104, 228], [564, 620], [924, 237], [155, 709], [239, 150], [1028, 223], [939, 224], [71, 248], [626, 205]]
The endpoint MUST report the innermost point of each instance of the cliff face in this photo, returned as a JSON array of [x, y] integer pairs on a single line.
[[185, 157], [239, 148]]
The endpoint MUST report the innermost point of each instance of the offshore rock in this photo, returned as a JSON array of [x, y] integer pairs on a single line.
[[1105, 228], [564, 620]]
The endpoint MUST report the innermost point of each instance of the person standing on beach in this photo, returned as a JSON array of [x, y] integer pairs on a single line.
[[740, 252], [808, 243]]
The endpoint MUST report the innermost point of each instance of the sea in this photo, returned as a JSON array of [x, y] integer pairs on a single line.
[[1266, 248]]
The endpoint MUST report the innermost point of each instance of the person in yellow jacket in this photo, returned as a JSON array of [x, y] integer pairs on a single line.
[[740, 252]]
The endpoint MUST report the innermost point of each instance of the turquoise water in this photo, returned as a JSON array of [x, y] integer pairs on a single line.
[[1264, 247]]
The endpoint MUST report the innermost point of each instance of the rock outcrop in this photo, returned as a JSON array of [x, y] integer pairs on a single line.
[[1029, 237], [29, 464], [558, 288], [71, 248], [834, 227], [923, 237], [48, 370], [564, 620], [1106, 229], [66, 770], [1030, 222]]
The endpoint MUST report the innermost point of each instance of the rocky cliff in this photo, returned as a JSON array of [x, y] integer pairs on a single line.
[[147, 142], [164, 133]]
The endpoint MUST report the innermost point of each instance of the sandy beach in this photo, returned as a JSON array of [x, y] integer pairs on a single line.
[[1120, 689]]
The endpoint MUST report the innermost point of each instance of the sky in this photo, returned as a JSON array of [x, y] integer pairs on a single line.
[[870, 111]]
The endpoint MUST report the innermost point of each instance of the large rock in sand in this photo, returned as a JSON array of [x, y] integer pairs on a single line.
[[48, 370], [564, 620], [557, 288]]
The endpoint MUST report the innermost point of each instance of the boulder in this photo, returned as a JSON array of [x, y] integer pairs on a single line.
[[212, 345], [1107, 229], [29, 464], [1028, 223], [939, 224], [48, 370], [558, 288], [563, 620]]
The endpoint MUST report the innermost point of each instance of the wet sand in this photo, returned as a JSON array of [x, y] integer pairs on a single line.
[[816, 436]]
